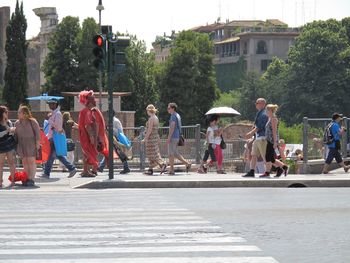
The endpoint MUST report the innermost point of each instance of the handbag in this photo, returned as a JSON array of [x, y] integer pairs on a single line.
[[222, 143], [181, 141], [60, 142], [70, 145], [181, 138]]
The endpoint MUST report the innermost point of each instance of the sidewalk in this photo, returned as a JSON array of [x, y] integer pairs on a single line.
[[59, 180]]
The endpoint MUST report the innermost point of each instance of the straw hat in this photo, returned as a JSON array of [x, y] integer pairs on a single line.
[[151, 108]]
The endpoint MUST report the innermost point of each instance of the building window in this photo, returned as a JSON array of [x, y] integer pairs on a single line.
[[265, 64], [261, 48]]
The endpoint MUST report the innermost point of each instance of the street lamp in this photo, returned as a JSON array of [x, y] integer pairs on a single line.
[[99, 8]]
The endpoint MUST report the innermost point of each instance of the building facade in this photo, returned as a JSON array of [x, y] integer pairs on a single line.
[[4, 20], [242, 46]]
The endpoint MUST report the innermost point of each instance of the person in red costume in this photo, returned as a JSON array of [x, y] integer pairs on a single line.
[[92, 134]]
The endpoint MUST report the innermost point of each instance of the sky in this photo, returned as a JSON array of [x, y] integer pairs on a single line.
[[148, 19]]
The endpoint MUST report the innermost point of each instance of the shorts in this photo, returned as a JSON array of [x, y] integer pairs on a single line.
[[172, 147], [259, 148], [333, 153]]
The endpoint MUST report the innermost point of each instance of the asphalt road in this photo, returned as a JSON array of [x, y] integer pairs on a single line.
[[292, 225], [250, 225]]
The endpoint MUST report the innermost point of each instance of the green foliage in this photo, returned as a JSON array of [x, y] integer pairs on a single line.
[[16, 83], [88, 74], [291, 134], [229, 76], [188, 78], [140, 80], [319, 74], [61, 66], [252, 88]]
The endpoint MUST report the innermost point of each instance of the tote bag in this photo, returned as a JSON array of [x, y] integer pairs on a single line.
[[60, 142]]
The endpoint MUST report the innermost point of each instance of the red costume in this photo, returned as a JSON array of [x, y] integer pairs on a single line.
[[92, 134]]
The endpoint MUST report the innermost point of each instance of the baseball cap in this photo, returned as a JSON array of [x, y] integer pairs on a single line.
[[336, 116]]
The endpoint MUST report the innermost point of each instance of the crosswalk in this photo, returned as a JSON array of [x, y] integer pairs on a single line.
[[118, 226]]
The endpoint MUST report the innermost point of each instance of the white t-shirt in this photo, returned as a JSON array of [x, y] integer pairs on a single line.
[[117, 126], [211, 137]]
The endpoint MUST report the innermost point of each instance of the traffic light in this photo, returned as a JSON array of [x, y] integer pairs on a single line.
[[119, 55], [99, 52]]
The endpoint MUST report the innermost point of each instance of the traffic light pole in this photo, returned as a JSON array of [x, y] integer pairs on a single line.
[[100, 8], [110, 112]]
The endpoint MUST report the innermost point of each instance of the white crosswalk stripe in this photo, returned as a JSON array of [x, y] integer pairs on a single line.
[[142, 227]]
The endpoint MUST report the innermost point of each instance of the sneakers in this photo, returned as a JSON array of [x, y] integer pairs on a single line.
[[265, 175], [72, 173], [43, 176], [125, 171], [346, 168], [30, 183], [221, 172], [249, 174]]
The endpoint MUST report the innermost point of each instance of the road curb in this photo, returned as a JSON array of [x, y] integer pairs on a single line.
[[253, 183]]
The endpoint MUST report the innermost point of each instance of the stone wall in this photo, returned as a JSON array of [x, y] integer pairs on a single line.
[[233, 131]]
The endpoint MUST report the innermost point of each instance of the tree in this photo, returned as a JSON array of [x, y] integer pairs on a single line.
[[61, 66], [16, 83], [275, 83], [189, 78], [88, 74], [139, 80], [319, 78], [251, 89]]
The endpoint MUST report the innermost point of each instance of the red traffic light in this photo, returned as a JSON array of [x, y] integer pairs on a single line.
[[98, 40]]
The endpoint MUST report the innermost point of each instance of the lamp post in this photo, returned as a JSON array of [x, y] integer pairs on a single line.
[[99, 8]]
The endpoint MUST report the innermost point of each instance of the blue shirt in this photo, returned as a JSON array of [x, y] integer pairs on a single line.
[[175, 117], [260, 122], [335, 132]]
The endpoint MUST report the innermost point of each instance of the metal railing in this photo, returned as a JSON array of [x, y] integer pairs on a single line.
[[193, 150], [313, 147]]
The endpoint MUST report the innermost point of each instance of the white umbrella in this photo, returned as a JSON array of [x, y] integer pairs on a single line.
[[223, 112]]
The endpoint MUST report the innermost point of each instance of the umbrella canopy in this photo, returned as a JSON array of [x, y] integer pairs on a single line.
[[45, 97], [223, 112]]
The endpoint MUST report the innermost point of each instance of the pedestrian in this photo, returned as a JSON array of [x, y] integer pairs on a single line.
[[272, 138], [260, 165], [334, 148], [119, 147], [92, 133], [56, 125], [7, 144], [68, 125], [27, 133], [173, 139], [214, 140], [259, 144], [151, 141]]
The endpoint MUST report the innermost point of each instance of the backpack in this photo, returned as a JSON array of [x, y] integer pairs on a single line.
[[328, 137]]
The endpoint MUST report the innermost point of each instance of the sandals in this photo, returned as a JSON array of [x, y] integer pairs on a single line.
[[87, 174]]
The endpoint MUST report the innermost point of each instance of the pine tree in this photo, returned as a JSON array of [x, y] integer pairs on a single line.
[[16, 83]]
